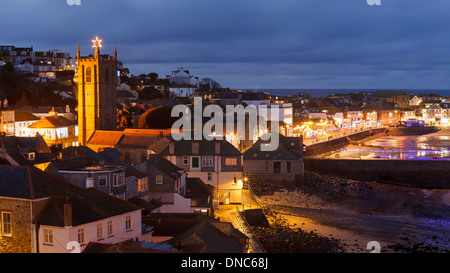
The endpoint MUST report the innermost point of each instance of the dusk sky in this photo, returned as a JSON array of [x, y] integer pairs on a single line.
[[252, 43]]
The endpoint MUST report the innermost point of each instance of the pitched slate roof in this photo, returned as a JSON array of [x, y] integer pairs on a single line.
[[380, 105], [47, 109], [289, 148], [16, 147], [88, 205], [197, 190], [206, 147], [132, 171], [171, 224], [96, 247], [24, 116], [255, 96], [209, 239], [164, 165], [53, 122]]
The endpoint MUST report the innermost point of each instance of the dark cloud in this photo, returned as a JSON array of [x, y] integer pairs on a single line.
[[252, 43]]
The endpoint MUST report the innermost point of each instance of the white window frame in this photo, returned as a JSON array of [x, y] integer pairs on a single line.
[[3, 224], [210, 176], [48, 237], [81, 236], [110, 228], [100, 233], [128, 223], [116, 179], [185, 160], [102, 177], [207, 161]]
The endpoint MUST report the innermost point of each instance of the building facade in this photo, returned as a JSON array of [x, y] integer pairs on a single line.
[[97, 82], [216, 162]]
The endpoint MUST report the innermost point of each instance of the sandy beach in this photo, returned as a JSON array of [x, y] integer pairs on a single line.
[[400, 219]]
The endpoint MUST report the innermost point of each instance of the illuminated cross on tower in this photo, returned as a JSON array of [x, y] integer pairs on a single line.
[[97, 44]]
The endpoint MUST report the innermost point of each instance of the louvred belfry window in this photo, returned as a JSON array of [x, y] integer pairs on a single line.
[[88, 74]]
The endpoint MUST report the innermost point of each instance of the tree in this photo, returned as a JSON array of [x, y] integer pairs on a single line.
[[157, 118], [153, 76], [124, 119], [150, 93], [213, 85]]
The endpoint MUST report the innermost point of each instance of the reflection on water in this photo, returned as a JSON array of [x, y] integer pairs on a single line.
[[431, 146]]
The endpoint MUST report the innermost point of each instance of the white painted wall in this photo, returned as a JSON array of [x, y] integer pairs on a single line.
[[62, 236]]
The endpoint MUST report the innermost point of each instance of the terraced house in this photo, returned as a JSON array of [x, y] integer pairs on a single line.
[[43, 214], [216, 162]]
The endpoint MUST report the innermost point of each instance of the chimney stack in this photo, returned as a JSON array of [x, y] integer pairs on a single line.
[[217, 147], [67, 213], [171, 148], [195, 148]]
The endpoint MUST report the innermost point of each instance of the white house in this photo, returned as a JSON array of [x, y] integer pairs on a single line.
[[415, 101], [16, 122], [50, 215], [282, 112], [217, 163], [112, 230], [182, 83]]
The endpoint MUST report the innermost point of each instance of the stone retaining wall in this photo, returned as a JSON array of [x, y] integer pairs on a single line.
[[428, 174]]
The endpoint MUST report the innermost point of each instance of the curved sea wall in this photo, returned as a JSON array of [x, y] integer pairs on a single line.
[[340, 143]]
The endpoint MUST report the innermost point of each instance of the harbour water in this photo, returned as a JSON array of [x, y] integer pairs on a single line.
[[435, 146]]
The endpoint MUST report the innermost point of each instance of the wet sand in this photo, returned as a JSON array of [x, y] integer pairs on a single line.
[[393, 216]]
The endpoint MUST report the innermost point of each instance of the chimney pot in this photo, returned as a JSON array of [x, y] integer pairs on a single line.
[[67, 213]]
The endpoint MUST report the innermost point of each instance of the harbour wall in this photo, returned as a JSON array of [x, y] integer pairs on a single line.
[[426, 174], [339, 143]]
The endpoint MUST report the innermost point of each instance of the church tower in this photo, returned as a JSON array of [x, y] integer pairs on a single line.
[[97, 81]]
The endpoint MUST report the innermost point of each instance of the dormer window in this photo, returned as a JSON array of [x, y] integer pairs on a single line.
[[30, 156]]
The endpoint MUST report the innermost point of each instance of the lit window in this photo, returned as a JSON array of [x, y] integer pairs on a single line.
[[142, 184], [159, 179], [230, 161]]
